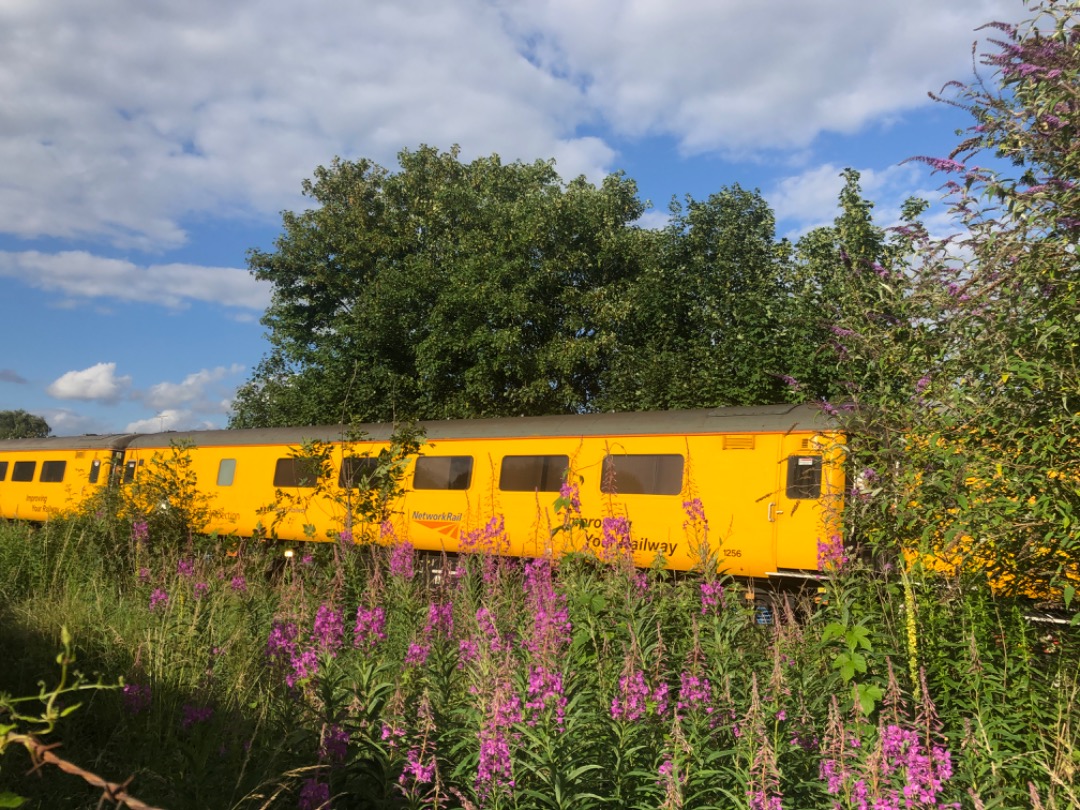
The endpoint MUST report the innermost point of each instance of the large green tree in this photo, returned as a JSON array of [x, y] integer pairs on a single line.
[[443, 289], [703, 320], [22, 425]]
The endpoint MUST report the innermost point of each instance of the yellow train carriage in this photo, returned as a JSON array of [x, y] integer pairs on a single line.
[[768, 481], [41, 477]]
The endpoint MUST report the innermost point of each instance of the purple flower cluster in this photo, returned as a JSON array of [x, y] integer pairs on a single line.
[[416, 771], [903, 777], [712, 596], [238, 584], [136, 697], [370, 627], [632, 701], [328, 631], [401, 560], [140, 532], [695, 693], [547, 607], [491, 539], [195, 715], [545, 690], [495, 768], [615, 538], [830, 554], [159, 599], [440, 620], [334, 745], [572, 496], [314, 795], [185, 568], [417, 654]]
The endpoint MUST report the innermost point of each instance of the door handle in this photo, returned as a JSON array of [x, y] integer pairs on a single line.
[[773, 511]]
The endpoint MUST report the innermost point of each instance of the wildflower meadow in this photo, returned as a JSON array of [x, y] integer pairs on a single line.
[[934, 664]]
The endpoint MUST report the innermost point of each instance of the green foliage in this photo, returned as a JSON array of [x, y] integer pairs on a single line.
[[362, 502], [22, 425], [442, 290]]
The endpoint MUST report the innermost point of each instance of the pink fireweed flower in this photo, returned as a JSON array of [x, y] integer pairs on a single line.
[[136, 697], [489, 540], [551, 629], [238, 584], [569, 493], [401, 560], [314, 795], [830, 554], [334, 745], [468, 650], [140, 532], [440, 620], [159, 599], [712, 596], [328, 631], [416, 771], [185, 568], [615, 538], [694, 510], [545, 690], [201, 589], [144, 576], [417, 655], [195, 715], [695, 692], [630, 703], [305, 666], [370, 627], [281, 645]]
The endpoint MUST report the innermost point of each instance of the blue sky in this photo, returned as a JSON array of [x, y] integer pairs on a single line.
[[145, 147]]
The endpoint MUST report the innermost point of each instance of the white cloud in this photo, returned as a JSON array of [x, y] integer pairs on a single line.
[[123, 119], [168, 419], [82, 275], [197, 390], [97, 383]]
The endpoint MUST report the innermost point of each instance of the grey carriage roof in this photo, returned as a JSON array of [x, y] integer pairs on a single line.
[[111, 441], [769, 418]]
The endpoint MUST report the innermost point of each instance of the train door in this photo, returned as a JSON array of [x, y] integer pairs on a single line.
[[795, 511]]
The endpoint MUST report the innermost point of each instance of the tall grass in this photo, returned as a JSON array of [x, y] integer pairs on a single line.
[[353, 676]]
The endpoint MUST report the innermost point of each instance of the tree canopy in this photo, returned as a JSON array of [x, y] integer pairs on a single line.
[[448, 289], [22, 425]]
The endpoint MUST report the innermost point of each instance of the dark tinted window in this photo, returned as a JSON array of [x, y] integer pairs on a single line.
[[52, 472], [804, 477], [23, 471], [129, 472], [3, 470], [443, 472], [533, 473], [642, 475], [357, 470], [226, 472], [296, 472], [95, 471]]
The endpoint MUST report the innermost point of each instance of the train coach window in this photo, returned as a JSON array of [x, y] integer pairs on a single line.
[[95, 471], [296, 472], [23, 471], [533, 473], [357, 470], [659, 474], [804, 477], [226, 472], [129, 471], [443, 472], [3, 470], [52, 472]]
